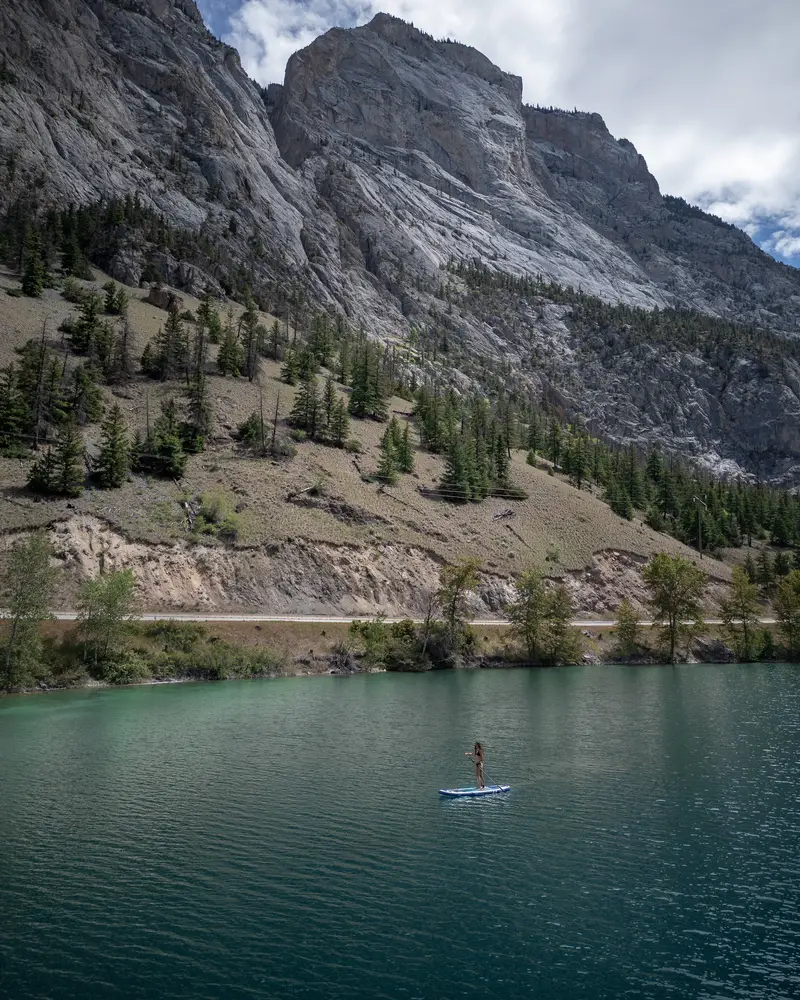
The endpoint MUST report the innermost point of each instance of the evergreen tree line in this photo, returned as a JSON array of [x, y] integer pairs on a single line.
[[476, 438], [40, 394], [35, 239], [106, 345], [721, 341]]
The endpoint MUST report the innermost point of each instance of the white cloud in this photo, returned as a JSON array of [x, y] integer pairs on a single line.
[[705, 89]]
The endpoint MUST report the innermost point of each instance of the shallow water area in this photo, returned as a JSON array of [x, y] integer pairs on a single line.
[[287, 838]]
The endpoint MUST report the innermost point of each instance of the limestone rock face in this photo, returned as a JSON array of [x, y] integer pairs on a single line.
[[106, 98], [447, 162], [383, 156]]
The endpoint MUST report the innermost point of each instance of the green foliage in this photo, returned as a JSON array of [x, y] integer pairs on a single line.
[[456, 583], [114, 462], [676, 590], [84, 395], [104, 607], [528, 613], [404, 450], [34, 271], [739, 611], [307, 411], [217, 516], [787, 612], [230, 357], [116, 299], [41, 394], [476, 439], [175, 636], [540, 620], [387, 462], [199, 405], [627, 628], [395, 647], [369, 379], [29, 582], [14, 415], [165, 356], [161, 452], [60, 471], [218, 661]]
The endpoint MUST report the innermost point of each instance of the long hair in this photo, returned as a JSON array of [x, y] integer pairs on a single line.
[[478, 747]]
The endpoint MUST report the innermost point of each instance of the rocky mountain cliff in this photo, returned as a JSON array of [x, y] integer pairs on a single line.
[[382, 158]]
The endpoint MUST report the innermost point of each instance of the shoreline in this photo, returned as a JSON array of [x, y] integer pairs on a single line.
[[93, 684]]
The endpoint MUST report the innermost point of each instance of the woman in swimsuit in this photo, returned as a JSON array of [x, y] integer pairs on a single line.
[[477, 754]]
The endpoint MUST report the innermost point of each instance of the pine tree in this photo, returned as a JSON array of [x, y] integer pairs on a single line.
[[343, 365], [290, 369], [632, 481], [275, 340], [174, 348], [162, 452], [617, 498], [387, 463], [116, 299], [782, 565], [113, 464], [502, 466], [209, 318], [42, 477], [579, 470], [34, 272], [327, 408], [199, 412], [250, 340], [230, 358], [68, 459], [14, 414], [340, 425], [478, 467], [306, 410], [85, 331], [534, 441], [765, 571], [455, 482], [360, 396], [120, 368], [554, 443], [405, 452], [85, 397], [150, 362]]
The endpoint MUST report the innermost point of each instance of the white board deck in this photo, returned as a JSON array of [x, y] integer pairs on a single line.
[[473, 792]]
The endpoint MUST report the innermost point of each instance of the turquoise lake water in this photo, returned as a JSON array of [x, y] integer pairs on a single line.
[[286, 838]]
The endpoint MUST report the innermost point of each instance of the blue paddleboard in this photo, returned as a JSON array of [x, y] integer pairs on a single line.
[[464, 793]]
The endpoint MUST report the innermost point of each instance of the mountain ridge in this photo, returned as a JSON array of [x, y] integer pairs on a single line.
[[384, 158]]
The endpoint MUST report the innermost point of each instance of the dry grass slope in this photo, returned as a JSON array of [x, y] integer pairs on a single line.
[[558, 526]]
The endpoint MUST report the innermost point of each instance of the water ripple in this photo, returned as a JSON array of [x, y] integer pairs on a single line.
[[285, 839]]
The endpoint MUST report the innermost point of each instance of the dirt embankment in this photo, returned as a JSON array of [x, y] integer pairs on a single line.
[[302, 577]]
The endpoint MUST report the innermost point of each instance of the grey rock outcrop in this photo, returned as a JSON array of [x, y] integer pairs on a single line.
[[444, 161], [384, 155]]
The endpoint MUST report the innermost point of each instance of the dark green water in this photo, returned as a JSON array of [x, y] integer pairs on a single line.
[[286, 839]]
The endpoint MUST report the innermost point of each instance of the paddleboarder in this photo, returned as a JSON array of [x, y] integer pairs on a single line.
[[477, 755]]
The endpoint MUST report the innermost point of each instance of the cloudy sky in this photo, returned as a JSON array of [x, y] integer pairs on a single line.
[[707, 90]]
